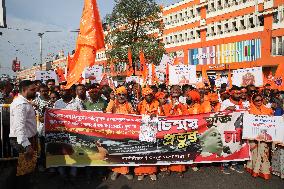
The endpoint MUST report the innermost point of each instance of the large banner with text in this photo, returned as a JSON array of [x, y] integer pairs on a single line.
[[83, 138]]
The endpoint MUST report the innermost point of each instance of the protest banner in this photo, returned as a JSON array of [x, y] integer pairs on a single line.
[[182, 74], [84, 138], [93, 74], [46, 75], [263, 128], [248, 76]]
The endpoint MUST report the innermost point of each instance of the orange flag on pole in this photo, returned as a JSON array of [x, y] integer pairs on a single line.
[[90, 39], [204, 74], [60, 74], [279, 77], [154, 75], [144, 69], [230, 79], [176, 62], [167, 74], [130, 70]]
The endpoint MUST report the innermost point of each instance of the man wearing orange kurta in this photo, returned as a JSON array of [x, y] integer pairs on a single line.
[[212, 104], [193, 103], [120, 106], [193, 107], [149, 106], [177, 109], [164, 107]]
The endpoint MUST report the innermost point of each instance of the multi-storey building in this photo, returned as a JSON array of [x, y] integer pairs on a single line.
[[227, 34]]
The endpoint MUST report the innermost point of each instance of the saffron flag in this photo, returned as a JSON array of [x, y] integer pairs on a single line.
[[90, 39], [230, 82], [176, 62], [104, 80], [279, 77], [154, 75], [60, 74], [167, 74], [130, 71], [144, 69], [204, 74]]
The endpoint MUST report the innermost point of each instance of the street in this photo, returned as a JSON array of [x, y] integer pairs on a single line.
[[207, 177]]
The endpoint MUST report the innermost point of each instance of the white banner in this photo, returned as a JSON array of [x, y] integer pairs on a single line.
[[46, 75], [93, 74], [248, 76], [2, 14], [182, 74], [264, 128]]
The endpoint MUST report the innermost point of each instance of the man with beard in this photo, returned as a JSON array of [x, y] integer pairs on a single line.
[[41, 103], [96, 102], [244, 98], [66, 98], [193, 103], [177, 108], [120, 105], [149, 106], [78, 103], [232, 104], [23, 130]]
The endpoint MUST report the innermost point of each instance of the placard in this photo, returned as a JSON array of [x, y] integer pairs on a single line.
[[263, 128], [93, 74], [46, 75], [248, 76], [182, 74]]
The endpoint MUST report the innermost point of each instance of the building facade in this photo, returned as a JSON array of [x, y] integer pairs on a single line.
[[227, 34]]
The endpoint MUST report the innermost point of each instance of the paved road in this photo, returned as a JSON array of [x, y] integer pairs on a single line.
[[207, 177]]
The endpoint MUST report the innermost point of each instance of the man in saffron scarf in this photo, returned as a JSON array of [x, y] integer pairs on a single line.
[[212, 104], [149, 106], [177, 109], [120, 105], [164, 107], [193, 103]]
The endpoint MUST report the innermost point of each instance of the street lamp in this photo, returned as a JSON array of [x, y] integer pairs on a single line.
[[40, 49]]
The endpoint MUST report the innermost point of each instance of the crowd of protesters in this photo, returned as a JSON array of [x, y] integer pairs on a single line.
[[160, 100]]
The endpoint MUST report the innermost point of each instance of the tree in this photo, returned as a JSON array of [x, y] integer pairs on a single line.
[[135, 24]]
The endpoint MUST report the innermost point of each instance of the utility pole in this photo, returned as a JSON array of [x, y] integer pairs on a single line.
[[40, 49]]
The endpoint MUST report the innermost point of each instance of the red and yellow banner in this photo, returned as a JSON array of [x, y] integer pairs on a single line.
[[83, 138]]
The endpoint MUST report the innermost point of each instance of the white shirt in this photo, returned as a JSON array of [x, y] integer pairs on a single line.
[[23, 121], [77, 104], [246, 104], [227, 103], [60, 104]]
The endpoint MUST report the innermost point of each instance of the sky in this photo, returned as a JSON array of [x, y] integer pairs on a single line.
[[27, 18]]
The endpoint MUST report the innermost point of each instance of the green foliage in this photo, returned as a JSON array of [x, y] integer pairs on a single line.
[[131, 23]]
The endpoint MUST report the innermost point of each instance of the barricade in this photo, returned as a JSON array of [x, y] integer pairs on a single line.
[[5, 147]]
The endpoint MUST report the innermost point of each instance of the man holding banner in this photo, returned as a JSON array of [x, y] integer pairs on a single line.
[[232, 104]]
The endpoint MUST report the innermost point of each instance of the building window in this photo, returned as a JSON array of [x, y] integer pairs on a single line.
[[278, 46]]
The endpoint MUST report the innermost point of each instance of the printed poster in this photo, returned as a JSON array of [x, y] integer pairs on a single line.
[[248, 76], [93, 74], [264, 128], [182, 74]]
